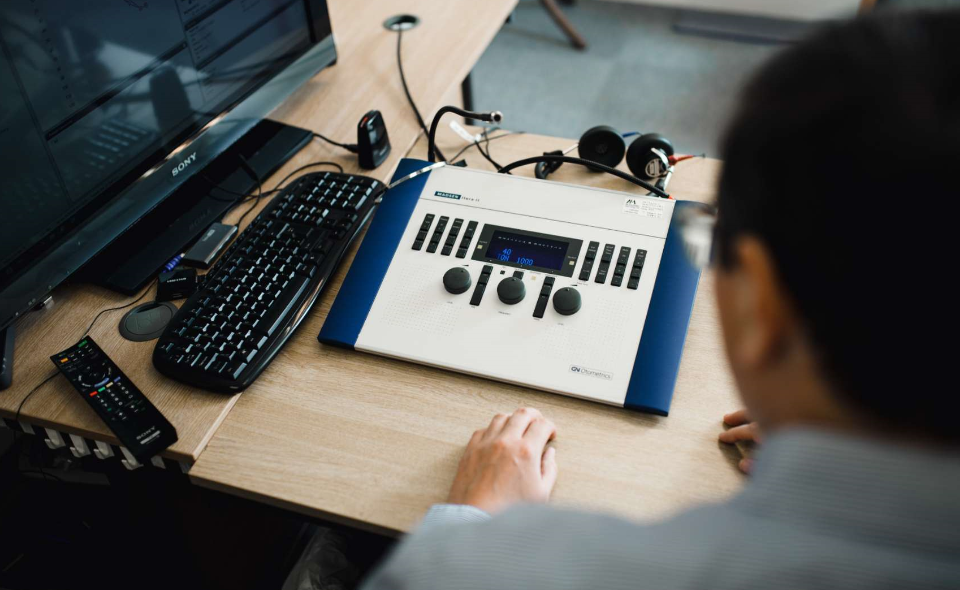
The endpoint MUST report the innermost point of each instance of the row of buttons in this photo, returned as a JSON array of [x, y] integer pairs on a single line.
[[451, 240], [619, 270], [437, 234], [118, 399]]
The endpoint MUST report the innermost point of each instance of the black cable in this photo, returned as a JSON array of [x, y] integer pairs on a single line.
[[217, 186], [32, 391], [589, 164], [304, 167], [432, 151], [250, 196], [97, 317], [486, 153], [350, 147], [489, 139], [406, 90], [256, 202]]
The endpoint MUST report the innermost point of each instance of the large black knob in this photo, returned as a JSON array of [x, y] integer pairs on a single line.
[[511, 290], [457, 280], [566, 301]]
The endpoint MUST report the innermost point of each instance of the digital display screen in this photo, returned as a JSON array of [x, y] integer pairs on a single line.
[[526, 250]]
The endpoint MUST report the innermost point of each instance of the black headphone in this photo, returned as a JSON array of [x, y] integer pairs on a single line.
[[647, 157], [601, 149]]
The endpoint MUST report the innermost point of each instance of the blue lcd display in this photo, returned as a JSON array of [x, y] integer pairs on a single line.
[[527, 250]]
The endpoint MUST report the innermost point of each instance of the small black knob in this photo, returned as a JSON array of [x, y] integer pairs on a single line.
[[457, 280], [511, 290], [566, 301]]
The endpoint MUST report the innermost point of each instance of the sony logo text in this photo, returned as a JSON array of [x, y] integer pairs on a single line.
[[182, 165]]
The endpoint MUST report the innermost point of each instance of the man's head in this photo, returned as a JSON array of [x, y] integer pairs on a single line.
[[837, 201]]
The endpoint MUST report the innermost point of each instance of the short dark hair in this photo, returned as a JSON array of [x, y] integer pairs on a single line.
[[844, 159]]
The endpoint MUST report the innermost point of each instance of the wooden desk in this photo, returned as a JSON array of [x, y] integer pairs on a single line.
[[437, 56], [373, 442]]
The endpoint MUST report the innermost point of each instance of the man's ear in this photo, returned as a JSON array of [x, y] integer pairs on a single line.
[[758, 313]]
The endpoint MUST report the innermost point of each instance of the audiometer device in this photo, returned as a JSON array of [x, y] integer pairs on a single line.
[[568, 289]]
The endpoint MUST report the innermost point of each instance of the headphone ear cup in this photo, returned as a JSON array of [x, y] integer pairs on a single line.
[[541, 171], [602, 144], [641, 160]]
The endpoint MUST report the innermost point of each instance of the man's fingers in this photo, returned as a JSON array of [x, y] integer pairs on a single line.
[[476, 437], [496, 426], [540, 432], [736, 418], [548, 468], [518, 422], [746, 465], [738, 433]]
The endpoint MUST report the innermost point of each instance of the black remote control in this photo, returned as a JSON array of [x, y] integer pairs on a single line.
[[124, 409]]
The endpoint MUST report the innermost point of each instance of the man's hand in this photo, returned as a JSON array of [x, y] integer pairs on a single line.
[[508, 462], [742, 431]]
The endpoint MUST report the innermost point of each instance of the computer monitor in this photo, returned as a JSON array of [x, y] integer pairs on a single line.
[[109, 108]]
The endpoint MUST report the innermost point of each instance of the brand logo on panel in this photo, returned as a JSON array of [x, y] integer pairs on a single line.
[[183, 165], [590, 372], [448, 195]]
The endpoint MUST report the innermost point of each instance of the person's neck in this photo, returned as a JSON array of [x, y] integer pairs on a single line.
[[796, 395]]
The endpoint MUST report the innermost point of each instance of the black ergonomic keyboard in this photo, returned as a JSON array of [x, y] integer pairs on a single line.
[[256, 295]]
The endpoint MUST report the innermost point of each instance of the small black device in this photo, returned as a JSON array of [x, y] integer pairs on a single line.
[[257, 294], [128, 413], [179, 283], [210, 244], [373, 143]]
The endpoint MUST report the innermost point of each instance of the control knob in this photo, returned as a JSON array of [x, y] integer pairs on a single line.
[[511, 290], [566, 301], [457, 280]]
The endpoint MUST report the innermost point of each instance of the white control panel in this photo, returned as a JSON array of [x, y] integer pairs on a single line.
[[530, 282]]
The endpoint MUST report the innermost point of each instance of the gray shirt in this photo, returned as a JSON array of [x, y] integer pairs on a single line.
[[821, 511]]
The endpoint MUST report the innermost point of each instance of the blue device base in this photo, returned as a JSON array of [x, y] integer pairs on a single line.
[[360, 287], [668, 317], [661, 344]]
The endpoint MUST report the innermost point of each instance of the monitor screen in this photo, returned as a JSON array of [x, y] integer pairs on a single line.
[[95, 93]]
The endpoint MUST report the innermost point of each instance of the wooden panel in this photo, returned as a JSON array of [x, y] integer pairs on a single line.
[[437, 56], [373, 442]]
